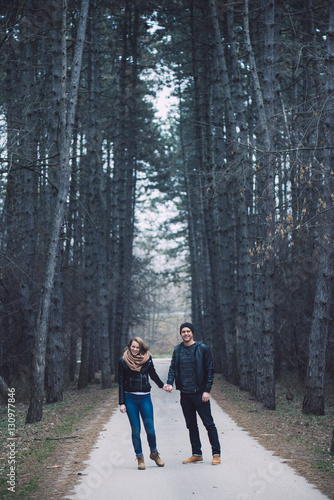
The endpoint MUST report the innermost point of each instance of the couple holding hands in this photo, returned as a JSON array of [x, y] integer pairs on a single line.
[[192, 370]]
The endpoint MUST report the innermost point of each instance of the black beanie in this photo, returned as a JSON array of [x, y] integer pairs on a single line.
[[187, 325]]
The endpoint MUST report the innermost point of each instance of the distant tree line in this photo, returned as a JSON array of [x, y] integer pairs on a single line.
[[249, 162]]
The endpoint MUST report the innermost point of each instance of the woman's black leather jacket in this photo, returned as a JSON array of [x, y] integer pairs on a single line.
[[133, 381]]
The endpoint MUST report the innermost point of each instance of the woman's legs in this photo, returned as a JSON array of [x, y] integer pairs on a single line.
[[132, 410], [141, 405], [146, 411]]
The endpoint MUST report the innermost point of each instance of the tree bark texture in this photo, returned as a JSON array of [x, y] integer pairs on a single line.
[[35, 409], [264, 388], [314, 399], [124, 182]]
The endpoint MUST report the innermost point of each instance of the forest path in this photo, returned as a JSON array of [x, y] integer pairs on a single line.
[[247, 472]]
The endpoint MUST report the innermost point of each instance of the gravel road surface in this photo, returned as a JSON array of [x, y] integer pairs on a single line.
[[247, 471]]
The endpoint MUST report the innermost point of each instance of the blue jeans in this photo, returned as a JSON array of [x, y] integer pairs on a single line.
[[192, 403], [137, 405]]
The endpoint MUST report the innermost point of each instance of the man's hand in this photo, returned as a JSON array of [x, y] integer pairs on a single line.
[[122, 409], [168, 388], [205, 397]]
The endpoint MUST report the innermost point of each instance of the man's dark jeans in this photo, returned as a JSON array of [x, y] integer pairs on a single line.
[[192, 403]]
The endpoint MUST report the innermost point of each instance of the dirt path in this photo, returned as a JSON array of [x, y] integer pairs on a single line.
[[302, 441]]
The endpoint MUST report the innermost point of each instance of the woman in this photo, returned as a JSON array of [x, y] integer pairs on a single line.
[[135, 367]]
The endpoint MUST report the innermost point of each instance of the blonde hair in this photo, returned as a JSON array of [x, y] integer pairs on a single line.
[[143, 347]]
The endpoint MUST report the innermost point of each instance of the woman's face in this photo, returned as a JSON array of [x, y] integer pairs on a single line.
[[134, 348]]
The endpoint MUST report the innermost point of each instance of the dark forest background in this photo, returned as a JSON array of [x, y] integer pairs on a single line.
[[247, 160]]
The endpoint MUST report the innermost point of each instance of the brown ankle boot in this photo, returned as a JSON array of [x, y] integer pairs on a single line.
[[193, 459], [156, 457], [141, 463]]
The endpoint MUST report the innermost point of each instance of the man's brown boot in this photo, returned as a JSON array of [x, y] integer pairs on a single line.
[[193, 459], [156, 457], [216, 460], [141, 463]]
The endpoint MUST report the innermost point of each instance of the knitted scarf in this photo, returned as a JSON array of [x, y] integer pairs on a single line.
[[135, 362]]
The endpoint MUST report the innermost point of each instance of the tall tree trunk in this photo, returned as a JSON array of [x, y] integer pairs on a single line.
[[204, 315], [18, 238], [243, 181], [28, 152], [35, 409], [232, 176], [54, 378], [55, 343], [195, 216], [265, 383], [96, 328], [314, 399], [90, 341], [118, 197], [127, 226], [124, 181], [73, 263]]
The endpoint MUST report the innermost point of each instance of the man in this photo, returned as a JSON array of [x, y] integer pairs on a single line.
[[192, 369]]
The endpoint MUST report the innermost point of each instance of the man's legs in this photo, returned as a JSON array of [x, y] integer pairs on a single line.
[[189, 411], [204, 411]]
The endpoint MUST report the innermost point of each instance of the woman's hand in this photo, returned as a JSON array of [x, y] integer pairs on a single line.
[[122, 408]]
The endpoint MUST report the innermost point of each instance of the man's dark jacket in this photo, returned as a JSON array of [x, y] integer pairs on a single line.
[[203, 367], [133, 381]]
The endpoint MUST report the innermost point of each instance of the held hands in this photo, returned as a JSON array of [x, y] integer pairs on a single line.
[[169, 388], [122, 409]]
